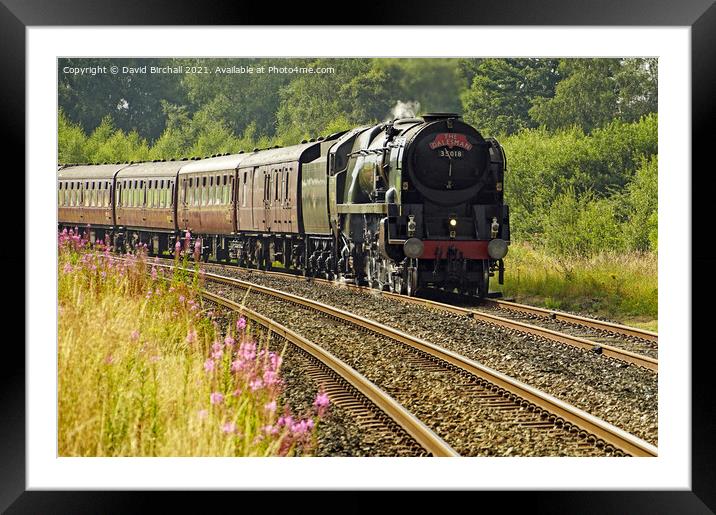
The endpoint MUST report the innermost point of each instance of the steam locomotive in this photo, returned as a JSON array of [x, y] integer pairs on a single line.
[[405, 205]]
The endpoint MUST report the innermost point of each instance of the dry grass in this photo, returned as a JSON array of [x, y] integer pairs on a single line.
[[139, 360], [621, 286]]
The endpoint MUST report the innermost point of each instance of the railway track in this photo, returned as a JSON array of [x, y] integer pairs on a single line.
[[524, 410], [606, 339], [374, 410]]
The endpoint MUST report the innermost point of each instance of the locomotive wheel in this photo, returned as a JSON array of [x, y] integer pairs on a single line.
[[370, 270], [411, 283], [399, 282], [483, 286]]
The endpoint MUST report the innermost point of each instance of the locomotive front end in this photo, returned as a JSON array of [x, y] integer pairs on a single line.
[[452, 231]]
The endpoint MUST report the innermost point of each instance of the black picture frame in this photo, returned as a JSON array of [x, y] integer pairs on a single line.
[[700, 15]]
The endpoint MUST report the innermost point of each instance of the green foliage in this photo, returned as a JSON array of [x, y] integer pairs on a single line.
[[543, 165], [578, 226], [502, 92], [641, 202], [593, 92]]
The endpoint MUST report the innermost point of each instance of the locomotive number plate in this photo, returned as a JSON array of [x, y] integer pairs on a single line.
[[449, 153]]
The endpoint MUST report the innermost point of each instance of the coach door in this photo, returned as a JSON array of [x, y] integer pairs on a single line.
[[276, 203], [267, 211], [183, 207]]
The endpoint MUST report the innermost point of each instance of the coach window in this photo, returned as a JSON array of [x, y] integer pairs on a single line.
[[246, 186], [212, 191], [276, 185], [218, 191], [72, 194], [171, 193], [204, 192], [285, 183]]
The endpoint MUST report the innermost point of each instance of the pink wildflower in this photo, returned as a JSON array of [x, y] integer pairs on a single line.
[[182, 298], [216, 398], [154, 273], [67, 268], [209, 365], [255, 384], [191, 336], [187, 240], [229, 341], [197, 249], [109, 359], [241, 323], [217, 354], [270, 406], [270, 377], [229, 427], [236, 392], [177, 249], [135, 335], [321, 403], [203, 414]]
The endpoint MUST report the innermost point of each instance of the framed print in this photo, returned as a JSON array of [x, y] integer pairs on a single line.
[[44, 38]]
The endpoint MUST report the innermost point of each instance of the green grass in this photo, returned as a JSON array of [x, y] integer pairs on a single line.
[[620, 286]]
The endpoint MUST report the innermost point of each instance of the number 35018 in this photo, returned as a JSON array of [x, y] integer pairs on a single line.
[[450, 153]]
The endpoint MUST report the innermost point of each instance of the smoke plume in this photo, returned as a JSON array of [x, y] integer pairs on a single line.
[[404, 109]]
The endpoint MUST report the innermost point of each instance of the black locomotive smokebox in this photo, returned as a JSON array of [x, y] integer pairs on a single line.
[[447, 155], [431, 117]]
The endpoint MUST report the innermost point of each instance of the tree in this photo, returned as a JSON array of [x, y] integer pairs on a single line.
[[133, 100], [502, 92], [594, 92], [586, 96]]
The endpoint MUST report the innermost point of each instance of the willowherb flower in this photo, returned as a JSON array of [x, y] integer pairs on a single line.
[[216, 398], [255, 384], [217, 354], [135, 335], [321, 403], [270, 377], [191, 336], [203, 413], [236, 392], [177, 249], [187, 240], [154, 273], [299, 428], [67, 268], [197, 249], [270, 406], [229, 427], [182, 298], [241, 324], [209, 365], [229, 341]]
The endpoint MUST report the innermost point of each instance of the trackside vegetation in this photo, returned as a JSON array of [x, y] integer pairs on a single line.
[[145, 370]]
